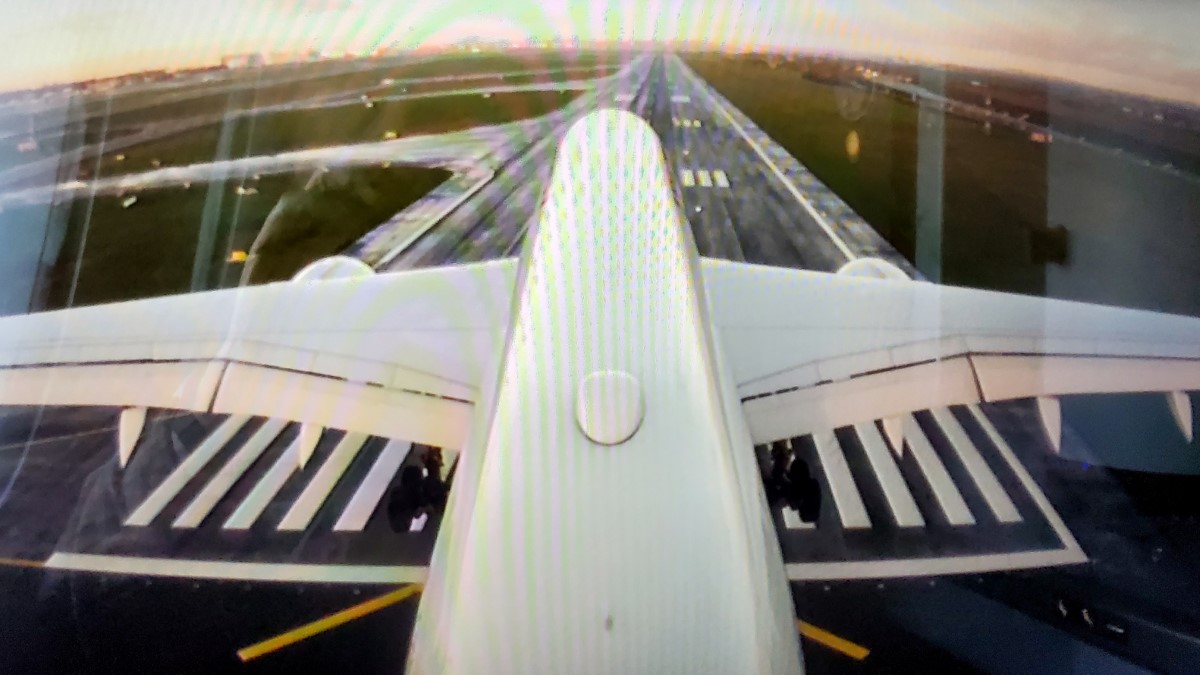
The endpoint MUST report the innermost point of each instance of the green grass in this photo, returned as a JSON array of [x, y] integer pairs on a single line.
[[293, 130], [331, 213], [323, 79], [994, 189], [149, 248], [325, 127], [131, 111]]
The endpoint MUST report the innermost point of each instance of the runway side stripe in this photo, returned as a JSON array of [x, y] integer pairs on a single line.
[[187, 470], [240, 571], [1043, 504], [993, 493], [318, 489], [947, 496], [851, 510], [219, 485], [356, 514], [923, 567]]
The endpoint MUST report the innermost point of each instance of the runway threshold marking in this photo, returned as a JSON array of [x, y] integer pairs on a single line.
[[328, 622], [834, 642]]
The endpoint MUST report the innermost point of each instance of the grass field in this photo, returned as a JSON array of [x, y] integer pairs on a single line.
[[324, 127], [994, 188], [244, 89], [148, 249], [290, 82], [332, 212]]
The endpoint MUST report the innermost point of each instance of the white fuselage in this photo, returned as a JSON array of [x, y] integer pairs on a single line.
[[561, 554]]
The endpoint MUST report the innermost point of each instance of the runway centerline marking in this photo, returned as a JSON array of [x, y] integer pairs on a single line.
[[841, 245], [328, 622]]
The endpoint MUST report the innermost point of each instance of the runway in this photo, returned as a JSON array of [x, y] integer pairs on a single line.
[[211, 507], [744, 196]]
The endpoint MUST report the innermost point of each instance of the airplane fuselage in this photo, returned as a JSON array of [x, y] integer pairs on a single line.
[[608, 513]]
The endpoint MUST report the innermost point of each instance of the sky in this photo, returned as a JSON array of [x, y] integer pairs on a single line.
[[1146, 47]]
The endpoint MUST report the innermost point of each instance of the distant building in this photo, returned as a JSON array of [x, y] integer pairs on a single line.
[[278, 57], [242, 61]]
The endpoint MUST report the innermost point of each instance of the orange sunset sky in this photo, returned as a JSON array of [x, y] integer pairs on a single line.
[[1145, 47]]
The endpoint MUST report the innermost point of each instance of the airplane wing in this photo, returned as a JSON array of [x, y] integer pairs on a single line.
[[814, 351], [399, 355]]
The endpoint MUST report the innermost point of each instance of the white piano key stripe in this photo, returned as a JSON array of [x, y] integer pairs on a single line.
[[317, 491], [895, 490], [202, 504], [358, 511], [947, 496], [149, 509], [997, 499], [265, 490], [841, 483], [791, 520]]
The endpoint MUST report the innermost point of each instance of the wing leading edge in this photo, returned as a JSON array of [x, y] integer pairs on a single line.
[[398, 355], [812, 350]]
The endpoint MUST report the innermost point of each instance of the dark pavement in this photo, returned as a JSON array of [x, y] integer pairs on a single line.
[[62, 491]]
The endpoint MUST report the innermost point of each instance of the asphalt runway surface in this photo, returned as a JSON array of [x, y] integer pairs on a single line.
[[64, 493]]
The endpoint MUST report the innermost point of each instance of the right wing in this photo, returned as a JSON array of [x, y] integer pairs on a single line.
[[812, 351], [399, 355]]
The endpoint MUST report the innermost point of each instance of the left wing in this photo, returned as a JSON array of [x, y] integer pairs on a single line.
[[812, 351], [399, 355]]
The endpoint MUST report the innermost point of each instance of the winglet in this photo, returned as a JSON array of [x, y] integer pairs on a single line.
[[1181, 410]]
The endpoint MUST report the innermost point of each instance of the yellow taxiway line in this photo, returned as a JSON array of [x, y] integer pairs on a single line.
[[332, 621], [818, 635], [824, 637], [20, 562]]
